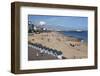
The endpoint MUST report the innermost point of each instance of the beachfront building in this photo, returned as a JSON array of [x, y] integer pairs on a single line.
[[30, 27], [36, 28]]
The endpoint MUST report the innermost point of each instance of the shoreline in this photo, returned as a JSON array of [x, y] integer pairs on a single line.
[[74, 38], [62, 32]]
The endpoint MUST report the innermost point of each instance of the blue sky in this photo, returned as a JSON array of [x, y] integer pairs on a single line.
[[61, 22]]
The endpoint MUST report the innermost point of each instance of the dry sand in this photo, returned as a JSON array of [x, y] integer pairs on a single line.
[[62, 43]]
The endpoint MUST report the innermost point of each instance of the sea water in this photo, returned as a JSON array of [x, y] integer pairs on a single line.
[[82, 35]]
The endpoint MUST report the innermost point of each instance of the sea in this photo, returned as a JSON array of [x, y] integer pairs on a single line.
[[82, 35]]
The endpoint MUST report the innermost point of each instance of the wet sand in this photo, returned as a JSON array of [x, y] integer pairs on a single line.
[[71, 47]]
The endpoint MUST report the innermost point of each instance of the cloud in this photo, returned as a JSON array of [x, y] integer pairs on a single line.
[[42, 22]]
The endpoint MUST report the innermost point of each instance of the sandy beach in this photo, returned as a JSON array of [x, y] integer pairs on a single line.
[[71, 48]]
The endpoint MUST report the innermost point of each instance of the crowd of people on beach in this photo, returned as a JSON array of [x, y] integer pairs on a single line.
[[76, 43], [44, 49]]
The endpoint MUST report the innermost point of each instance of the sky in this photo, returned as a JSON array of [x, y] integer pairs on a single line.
[[64, 23]]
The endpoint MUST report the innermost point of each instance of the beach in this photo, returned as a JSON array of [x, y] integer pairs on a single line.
[[72, 48]]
